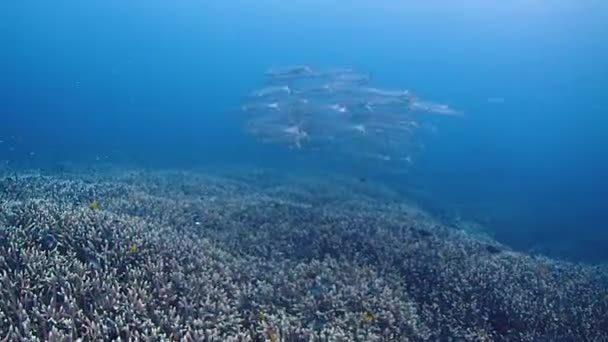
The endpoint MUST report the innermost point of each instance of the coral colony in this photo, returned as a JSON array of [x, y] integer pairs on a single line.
[[191, 257]]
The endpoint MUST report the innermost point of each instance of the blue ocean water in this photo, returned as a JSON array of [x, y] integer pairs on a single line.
[[159, 84]]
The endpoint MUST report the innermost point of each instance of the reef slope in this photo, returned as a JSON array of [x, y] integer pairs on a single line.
[[167, 256]]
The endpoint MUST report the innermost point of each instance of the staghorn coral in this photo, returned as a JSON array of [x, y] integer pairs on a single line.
[[214, 253]]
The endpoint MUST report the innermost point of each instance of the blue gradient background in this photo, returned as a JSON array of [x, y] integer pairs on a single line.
[[158, 83]]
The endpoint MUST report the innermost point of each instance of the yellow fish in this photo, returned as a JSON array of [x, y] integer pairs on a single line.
[[271, 335], [368, 317], [133, 248], [94, 205], [261, 317]]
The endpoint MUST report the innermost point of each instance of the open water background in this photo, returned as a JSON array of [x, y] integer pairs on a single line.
[[158, 84]]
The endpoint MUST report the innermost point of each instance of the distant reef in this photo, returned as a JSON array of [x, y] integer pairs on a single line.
[[257, 256]]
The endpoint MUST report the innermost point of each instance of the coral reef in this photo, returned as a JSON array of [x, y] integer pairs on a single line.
[[176, 256]]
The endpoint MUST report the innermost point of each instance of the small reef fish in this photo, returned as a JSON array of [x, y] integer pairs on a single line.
[[339, 108], [434, 108], [297, 133], [94, 205], [274, 105], [388, 93], [272, 90], [368, 317], [272, 336], [290, 72], [360, 128]]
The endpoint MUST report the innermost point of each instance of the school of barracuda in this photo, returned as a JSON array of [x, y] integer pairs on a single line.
[[337, 110]]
